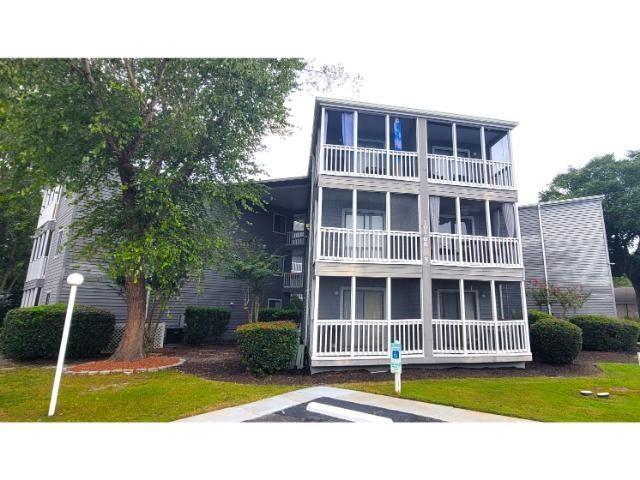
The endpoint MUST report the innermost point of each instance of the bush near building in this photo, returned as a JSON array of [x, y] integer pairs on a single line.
[[607, 334], [36, 332], [266, 347], [275, 314], [535, 315], [205, 322], [553, 341]]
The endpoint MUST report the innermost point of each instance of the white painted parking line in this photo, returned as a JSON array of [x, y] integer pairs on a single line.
[[346, 414]]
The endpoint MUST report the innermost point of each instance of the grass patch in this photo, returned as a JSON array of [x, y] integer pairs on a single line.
[[537, 398], [142, 397]]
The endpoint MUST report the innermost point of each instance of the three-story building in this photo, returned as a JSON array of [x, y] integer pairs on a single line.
[[415, 237]]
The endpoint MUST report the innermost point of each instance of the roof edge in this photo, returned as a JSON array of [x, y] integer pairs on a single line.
[[339, 102], [567, 200]]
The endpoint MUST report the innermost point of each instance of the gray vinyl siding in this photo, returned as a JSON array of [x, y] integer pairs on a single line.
[[576, 250]]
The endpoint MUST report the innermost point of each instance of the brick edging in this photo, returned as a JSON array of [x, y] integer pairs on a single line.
[[127, 371]]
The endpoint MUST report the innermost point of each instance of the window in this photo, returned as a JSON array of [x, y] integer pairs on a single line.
[[440, 138], [371, 129], [369, 303], [36, 300], [447, 224], [60, 242], [279, 265], [366, 220], [497, 145], [279, 223], [274, 303], [47, 298], [338, 128], [468, 140], [449, 304], [402, 134]]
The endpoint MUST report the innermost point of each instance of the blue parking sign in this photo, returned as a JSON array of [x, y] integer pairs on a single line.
[[396, 357]]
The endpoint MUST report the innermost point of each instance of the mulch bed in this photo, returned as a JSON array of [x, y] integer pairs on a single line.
[[148, 364], [222, 362]]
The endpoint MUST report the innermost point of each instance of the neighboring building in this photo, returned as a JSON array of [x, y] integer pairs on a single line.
[[405, 228], [279, 227], [565, 243], [626, 305]]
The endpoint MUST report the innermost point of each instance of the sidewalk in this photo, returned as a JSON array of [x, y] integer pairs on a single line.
[[287, 407]]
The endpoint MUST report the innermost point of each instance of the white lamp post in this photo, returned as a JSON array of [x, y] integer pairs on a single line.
[[75, 280]]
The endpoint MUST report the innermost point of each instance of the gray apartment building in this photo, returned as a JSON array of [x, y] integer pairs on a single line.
[[405, 228]]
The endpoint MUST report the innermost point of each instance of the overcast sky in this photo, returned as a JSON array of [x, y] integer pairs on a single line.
[[569, 76]]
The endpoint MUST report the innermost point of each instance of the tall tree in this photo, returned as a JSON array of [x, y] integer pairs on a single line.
[[619, 181], [159, 153]]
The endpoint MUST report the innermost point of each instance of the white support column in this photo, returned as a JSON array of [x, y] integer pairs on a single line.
[[454, 136], [483, 148], [318, 222], [494, 313], [386, 144], [354, 222], [487, 212], [323, 128], [525, 315], [517, 220], [459, 229], [388, 313], [513, 174], [388, 224], [463, 316], [355, 141], [353, 315], [316, 301]]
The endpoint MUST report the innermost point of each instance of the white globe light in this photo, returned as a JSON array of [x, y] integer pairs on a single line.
[[75, 279]]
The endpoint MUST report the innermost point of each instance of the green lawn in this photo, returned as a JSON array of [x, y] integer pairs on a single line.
[[537, 398], [145, 397]]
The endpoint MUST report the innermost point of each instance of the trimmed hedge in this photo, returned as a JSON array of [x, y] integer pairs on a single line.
[[275, 314], [557, 342], [36, 332], [204, 322], [535, 315], [607, 334], [266, 347]]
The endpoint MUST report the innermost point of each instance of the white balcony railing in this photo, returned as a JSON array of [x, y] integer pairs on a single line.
[[333, 338], [49, 206], [480, 337], [296, 238], [37, 268], [448, 248], [469, 171], [376, 246], [293, 279], [370, 162]]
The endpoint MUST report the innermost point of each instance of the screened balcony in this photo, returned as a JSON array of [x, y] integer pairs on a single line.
[[369, 145], [385, 228], [473, 232], [491, 320], [359, 317], [468, 155]]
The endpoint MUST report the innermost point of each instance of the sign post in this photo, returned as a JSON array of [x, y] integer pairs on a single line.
[[396, 363], [75, 280]]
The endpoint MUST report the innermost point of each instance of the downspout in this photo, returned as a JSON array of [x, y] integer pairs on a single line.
[[544, 258]]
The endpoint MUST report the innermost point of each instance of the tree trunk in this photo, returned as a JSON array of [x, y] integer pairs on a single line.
[[132, 344], [636, 288]]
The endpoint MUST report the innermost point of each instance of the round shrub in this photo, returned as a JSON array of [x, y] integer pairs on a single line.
[[36, 332], [204, 322], [535, 315], [275, 314], [266, 347], [607, 334], [557, 342]]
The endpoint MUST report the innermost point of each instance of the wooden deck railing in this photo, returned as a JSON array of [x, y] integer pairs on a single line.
[[370, 162], [376, 246], [480, 337], [469, 171], [450, 248]]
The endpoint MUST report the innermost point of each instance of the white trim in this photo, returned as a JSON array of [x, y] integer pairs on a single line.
[[544, 259]]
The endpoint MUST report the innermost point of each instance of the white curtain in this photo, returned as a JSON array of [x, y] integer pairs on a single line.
[[509, 219], [434, 212], [347, 128]]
